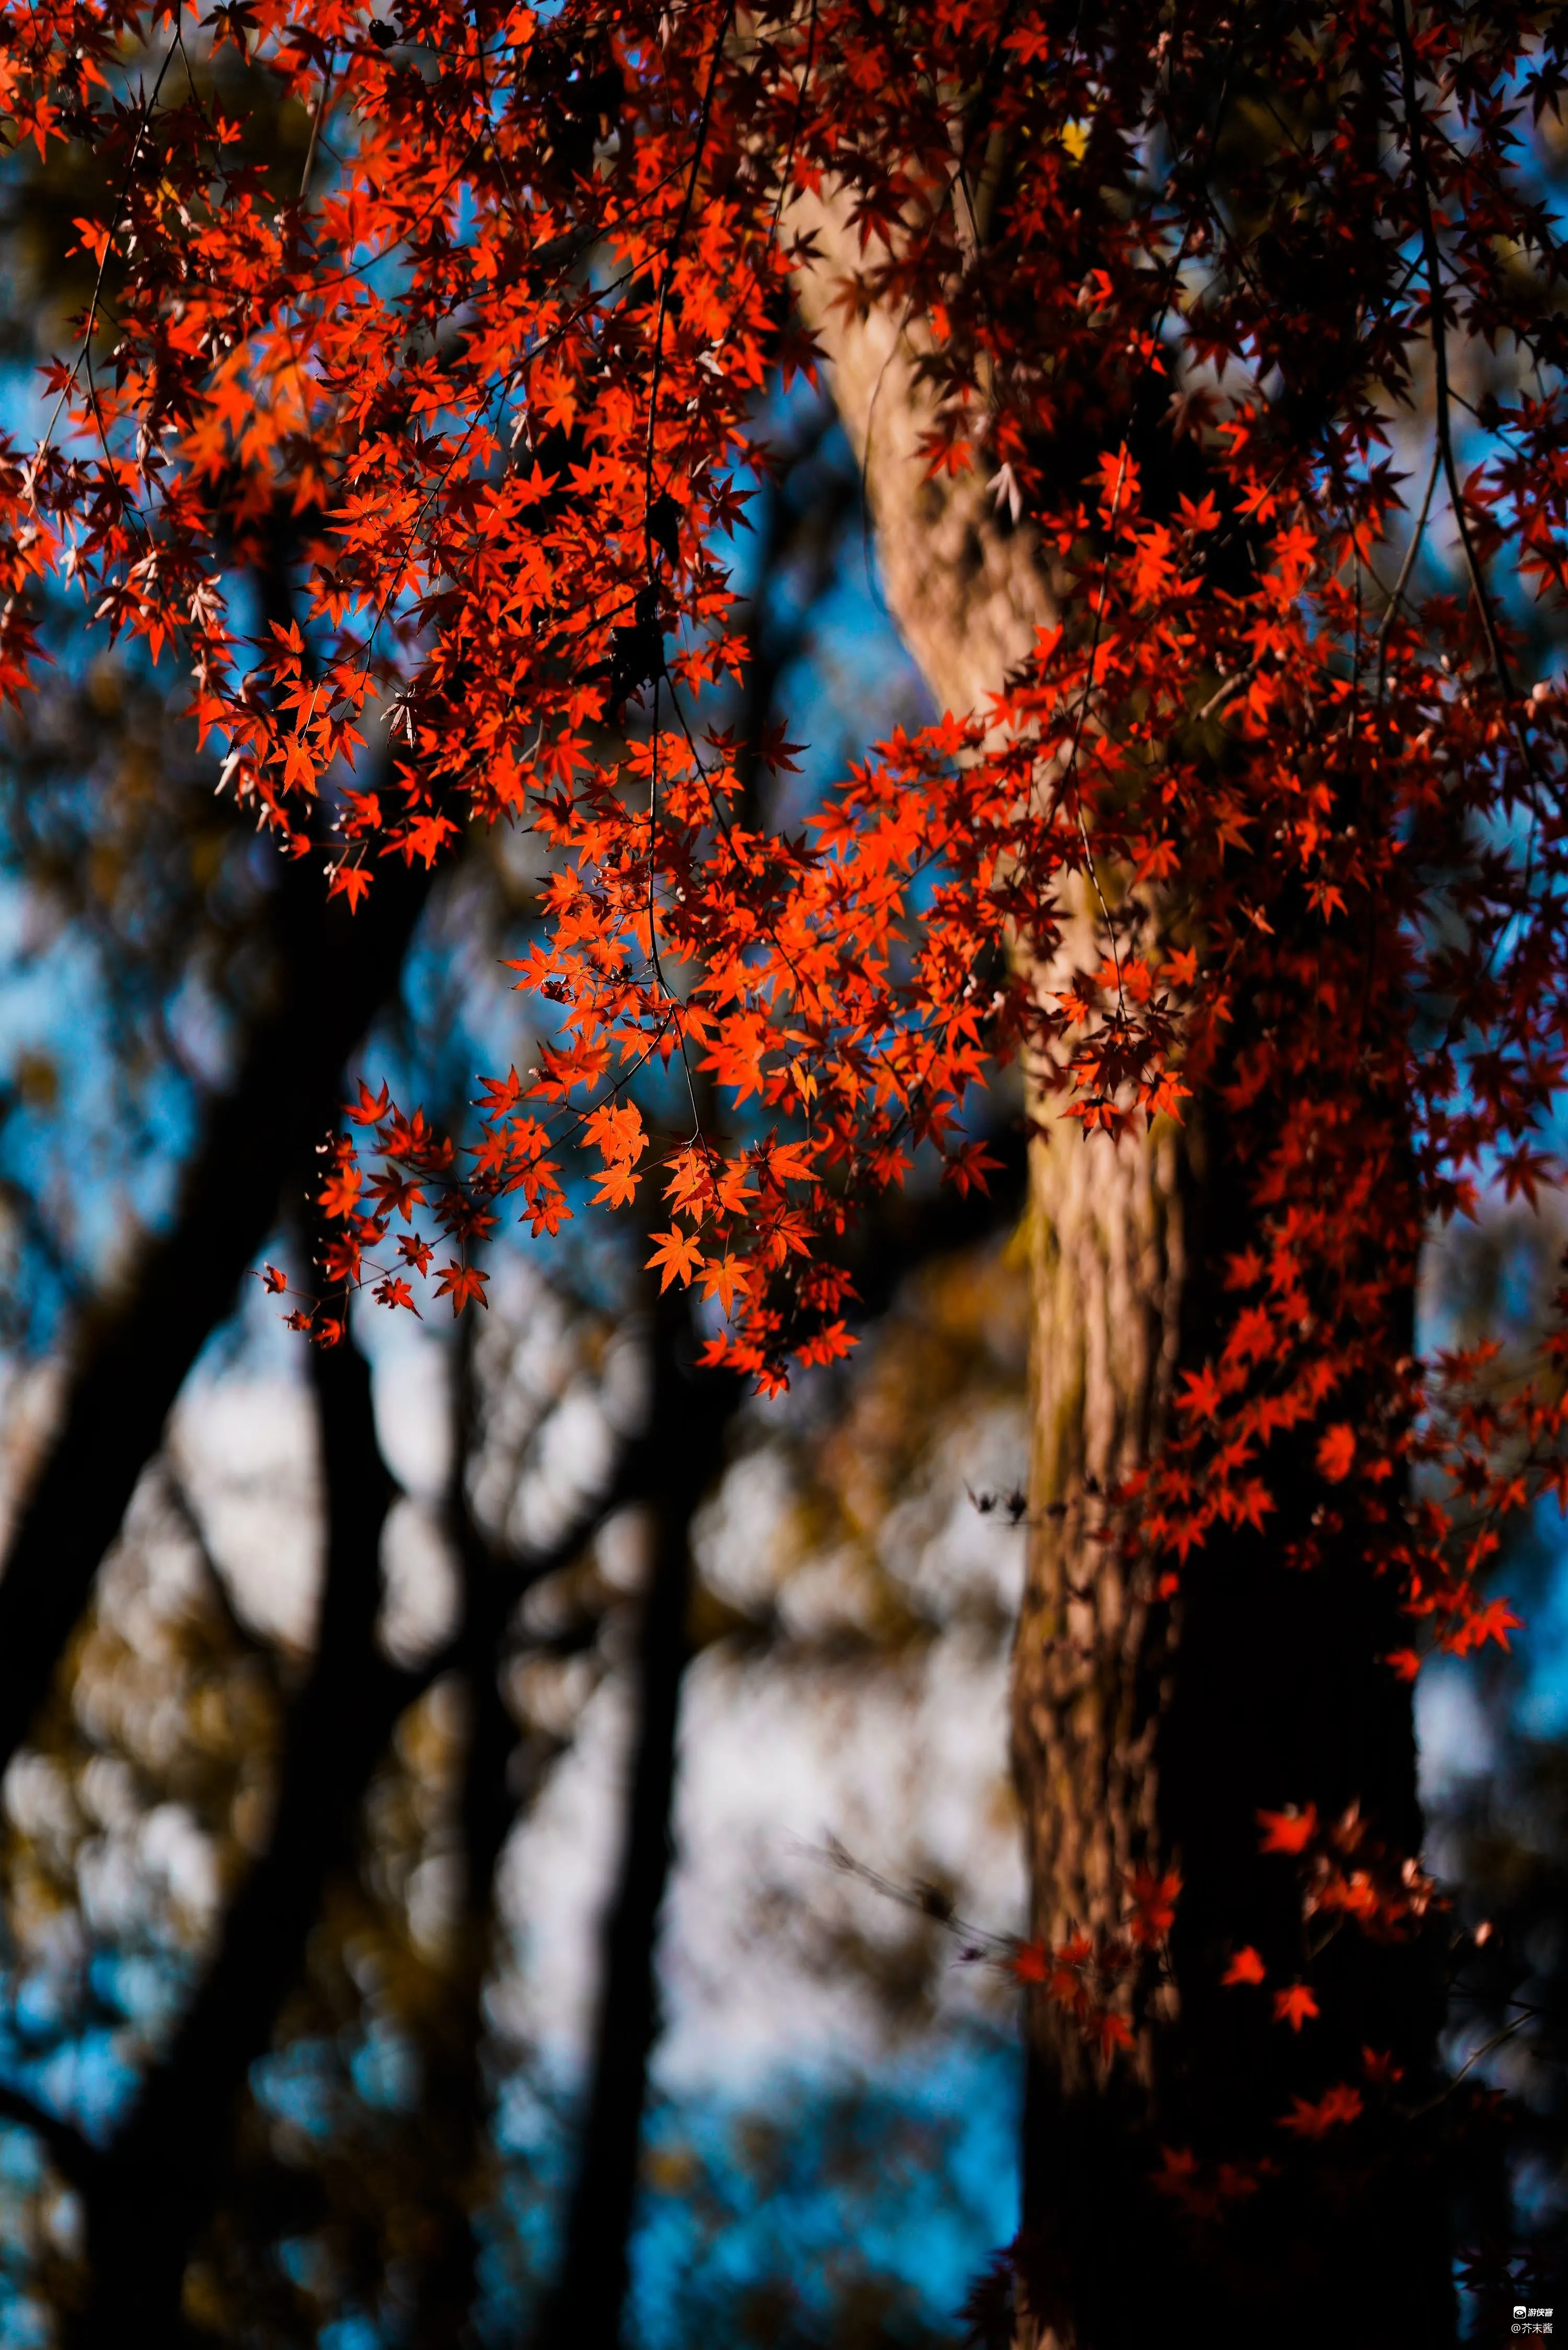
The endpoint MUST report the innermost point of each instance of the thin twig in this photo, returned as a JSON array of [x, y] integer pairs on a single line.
[[1438, 337], [1229, 687], [322, 103], [926, 1901], [1397, 594], [1508, 2032], [91, 321]]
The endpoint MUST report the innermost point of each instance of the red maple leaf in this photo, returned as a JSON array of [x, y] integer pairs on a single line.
[[341, 1189], [1336, 1451], [1338, 2105], [1288, 1831], [1295, 2006], [1108, 2033], [1152, 1900]]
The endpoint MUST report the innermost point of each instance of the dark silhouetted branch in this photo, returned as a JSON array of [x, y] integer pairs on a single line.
[[75, 2157], [495, 1789], [334, 974]]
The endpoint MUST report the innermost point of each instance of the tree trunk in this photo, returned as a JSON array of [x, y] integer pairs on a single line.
[[161, 2176], [691, 1411], [1146, 1732], [1151, 1733], [457, 2106]]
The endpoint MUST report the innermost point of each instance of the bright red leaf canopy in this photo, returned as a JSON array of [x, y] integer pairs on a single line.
[[1257, 326]]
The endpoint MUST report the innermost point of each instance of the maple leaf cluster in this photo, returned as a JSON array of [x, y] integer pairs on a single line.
[[498, 355], [1101, 1980], [1349, 1880], [1104, 1979]]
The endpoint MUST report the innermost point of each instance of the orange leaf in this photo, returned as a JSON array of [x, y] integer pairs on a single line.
[[722, 1277], [463, 1283], [678, 1256], [340, 1191], [370, 1108], [615, 1187]]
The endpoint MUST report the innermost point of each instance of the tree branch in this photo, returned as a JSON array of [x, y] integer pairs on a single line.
[[245, 1637], [75, 2157], [137, 1348]]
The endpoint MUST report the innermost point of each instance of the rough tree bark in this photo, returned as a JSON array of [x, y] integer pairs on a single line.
[[1144, 1733]]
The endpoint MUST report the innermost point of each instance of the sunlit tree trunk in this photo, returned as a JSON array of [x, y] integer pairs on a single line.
[[1146, 1732]]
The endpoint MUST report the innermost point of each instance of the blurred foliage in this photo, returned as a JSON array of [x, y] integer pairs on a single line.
[[149, 1785], [1507, 1835], [1497, 1768]]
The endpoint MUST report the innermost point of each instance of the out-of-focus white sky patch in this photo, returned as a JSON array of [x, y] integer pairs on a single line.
[[559, 1395], [420, 1581], [411, 1385], [555, 1883], [948, 1552], [622, 1550], [244, 1444], [1455, 1740], [574, 1459], [902, 1758], [244, 1449], [905, 1766], [741, 1535], [138, 1863], [905, 1769]]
